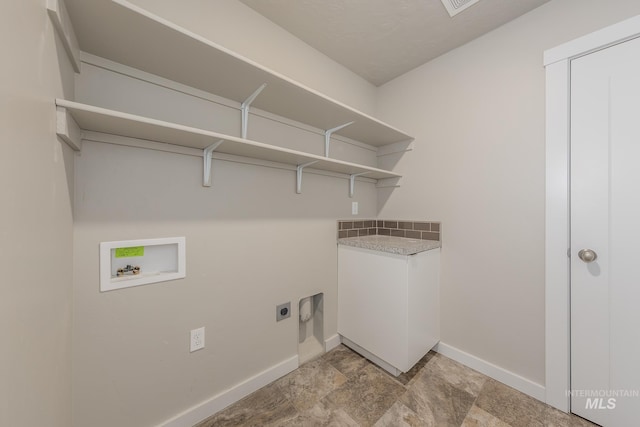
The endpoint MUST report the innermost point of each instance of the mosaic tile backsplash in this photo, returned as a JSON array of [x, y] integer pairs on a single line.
[[424, 230]]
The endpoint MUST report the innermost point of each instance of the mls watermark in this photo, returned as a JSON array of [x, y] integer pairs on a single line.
[[602, 399]]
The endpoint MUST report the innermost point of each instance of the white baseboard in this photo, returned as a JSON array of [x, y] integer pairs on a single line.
[[199, 412], [331, 342], [522, 384]]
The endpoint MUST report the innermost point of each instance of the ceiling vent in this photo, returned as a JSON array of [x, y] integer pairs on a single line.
[[456, 6]]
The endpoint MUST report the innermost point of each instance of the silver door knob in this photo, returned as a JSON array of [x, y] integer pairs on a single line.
[[587, 255]]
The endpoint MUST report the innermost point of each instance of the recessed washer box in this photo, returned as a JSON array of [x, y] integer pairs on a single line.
[[159, 260]]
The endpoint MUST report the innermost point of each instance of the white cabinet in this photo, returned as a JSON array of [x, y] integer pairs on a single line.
[[388, 305]]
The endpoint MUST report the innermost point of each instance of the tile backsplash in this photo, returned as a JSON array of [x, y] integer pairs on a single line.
[[424, 230]]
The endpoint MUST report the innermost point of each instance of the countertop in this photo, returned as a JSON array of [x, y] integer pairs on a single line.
[[390, 244]]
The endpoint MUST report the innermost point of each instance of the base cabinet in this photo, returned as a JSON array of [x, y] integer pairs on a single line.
[[388, 305]]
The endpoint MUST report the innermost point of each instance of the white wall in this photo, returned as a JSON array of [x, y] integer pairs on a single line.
[[36, 173], [478, 166], [239, 28], [252, 243]]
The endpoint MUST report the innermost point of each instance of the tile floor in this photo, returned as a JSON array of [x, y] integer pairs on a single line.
[[341, 388]]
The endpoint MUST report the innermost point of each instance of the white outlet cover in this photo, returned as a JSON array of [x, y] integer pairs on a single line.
[[197, 339], [354, 208]]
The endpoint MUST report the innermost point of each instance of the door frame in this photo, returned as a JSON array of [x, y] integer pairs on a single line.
[[557, 62]]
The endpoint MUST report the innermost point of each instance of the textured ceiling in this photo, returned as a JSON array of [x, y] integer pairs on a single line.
[[382, 39]]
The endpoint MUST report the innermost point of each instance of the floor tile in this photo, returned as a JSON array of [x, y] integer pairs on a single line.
[[436, 401], [265, 406], [305, 386], [480, 418], [343, 389], [366, 396], [319, 416], [345, 360], [456, 374], [511, 406], [400, 416], [406, 377]]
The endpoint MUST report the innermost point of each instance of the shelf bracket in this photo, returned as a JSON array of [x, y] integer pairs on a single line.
[[388, 183], [244, 109], [327, 136], [62, 23], [299, 175], [352, 181], [206, 156], [68, 129]]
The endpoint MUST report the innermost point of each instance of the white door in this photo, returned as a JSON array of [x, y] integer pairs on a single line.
[[605, 225]]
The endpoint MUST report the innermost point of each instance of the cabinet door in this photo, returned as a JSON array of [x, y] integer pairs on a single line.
[[423, 304], [372, 302]]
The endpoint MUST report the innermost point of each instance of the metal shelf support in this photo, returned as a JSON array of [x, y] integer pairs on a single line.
[[352, 181], [299, 175], [244, 109], [327, 136], [206, 156]]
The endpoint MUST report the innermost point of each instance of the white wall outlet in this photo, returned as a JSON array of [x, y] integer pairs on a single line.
[[354, 208], [197, 339]]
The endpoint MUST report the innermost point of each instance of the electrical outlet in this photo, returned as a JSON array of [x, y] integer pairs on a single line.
[[283, 311], [354, 208], [197, 339]]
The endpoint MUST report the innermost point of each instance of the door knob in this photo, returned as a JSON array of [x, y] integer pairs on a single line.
[[587, 255]]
